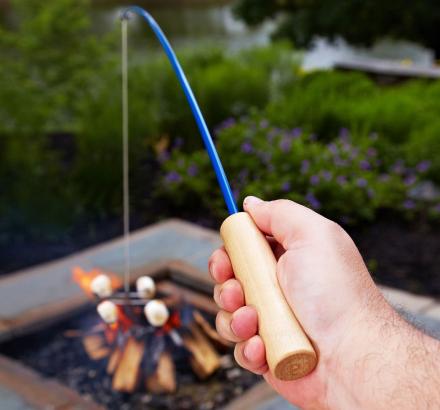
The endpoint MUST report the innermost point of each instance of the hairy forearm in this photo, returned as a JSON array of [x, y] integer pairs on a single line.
[[398, 369]]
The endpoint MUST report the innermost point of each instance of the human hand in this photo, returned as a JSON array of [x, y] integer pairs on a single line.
[[327, 285]]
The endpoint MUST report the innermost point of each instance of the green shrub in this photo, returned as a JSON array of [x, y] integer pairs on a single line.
[[345, 179]]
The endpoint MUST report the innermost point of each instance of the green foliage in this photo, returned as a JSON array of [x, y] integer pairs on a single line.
[[45, 71], [404, 117], [345, 179], [225, 85], [359, 22], [58, 80]]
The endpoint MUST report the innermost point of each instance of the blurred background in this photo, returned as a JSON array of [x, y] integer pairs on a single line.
[[332, 104]]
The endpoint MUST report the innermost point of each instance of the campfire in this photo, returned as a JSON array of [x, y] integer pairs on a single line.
[[142, 331]]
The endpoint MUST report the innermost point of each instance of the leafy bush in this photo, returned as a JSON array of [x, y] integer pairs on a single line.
[[224, 85], [345, 179], [404, 116]]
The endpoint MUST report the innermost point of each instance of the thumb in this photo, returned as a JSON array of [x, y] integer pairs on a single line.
[[285, 220]]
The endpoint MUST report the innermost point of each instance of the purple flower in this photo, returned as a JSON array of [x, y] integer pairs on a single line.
[[264, 123], [344, 134], [314, 179], [364, 165], [370, 193], [354, 152], [305, 165], [296, 132], [247, 147], [326, 175], [333, 148], [242, 175], [236, 194], [313, 201], [410, 180], [286, 186], [373, 136], [399, 167], [409, 204], [271, 135], [313, 137], [341, 180], [265, 157], [164, 156], [423, 166], [173, 177], [340, 162], [371, 152], [228, 123], [178, 142], [361, 182], [193, 170], [384, 178], [285, 144], [436, 208]]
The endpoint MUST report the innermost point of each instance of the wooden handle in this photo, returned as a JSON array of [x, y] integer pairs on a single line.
[[289, 352]]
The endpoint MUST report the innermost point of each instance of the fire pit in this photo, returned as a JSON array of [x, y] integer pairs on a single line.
[[133, 361]]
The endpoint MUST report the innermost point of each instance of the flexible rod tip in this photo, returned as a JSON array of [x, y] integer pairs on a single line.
[[126, 14]]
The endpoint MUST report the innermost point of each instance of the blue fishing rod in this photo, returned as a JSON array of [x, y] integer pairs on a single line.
[[289, 352]]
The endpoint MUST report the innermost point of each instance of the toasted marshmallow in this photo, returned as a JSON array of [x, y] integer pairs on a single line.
[[156, 312], [101, 286], [108, 311], [145, 287]]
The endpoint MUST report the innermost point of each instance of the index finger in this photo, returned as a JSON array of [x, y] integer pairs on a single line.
[[220, 266]]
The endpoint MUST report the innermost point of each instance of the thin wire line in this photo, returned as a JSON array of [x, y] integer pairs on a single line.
[[197, 113], [125, 168]]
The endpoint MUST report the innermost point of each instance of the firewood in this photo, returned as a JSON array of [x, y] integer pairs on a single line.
[[113, 361], [95, 347], [210, 331], [127, 373], [204, 358], [163, 380]]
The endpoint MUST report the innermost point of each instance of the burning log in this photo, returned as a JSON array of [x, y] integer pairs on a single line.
[[114, 360], [210, 331], [204, 358], [95, 347], [127, 373], [163, 380]]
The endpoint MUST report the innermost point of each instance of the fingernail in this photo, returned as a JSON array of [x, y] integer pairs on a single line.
[[211, 268], [252, 200], [246, 351], [220, 299], [233, 327]]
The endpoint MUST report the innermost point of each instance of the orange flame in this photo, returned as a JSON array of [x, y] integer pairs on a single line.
[[84, 279]]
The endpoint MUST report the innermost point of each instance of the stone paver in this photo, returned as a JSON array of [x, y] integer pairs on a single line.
[[9, 400], [407, 301], [51, 283]]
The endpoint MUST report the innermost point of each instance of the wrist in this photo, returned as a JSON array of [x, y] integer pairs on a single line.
[[384, 363]]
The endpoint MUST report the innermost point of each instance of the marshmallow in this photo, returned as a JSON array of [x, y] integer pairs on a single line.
[[101, 286], [108, 311], [156, 312], [145, 287]]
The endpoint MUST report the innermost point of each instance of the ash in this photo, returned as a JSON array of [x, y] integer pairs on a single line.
[[54, 354]]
